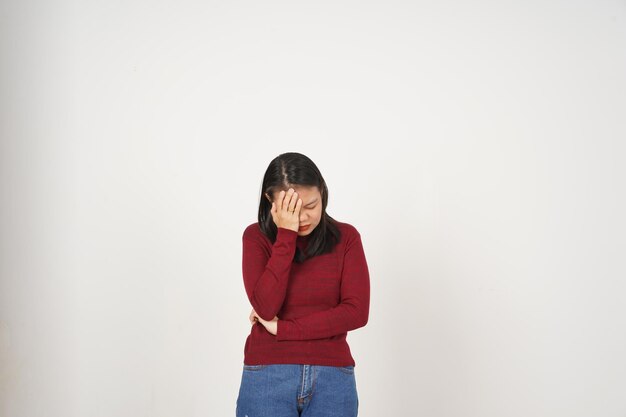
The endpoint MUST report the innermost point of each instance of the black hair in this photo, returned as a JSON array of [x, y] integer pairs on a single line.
[[286, 171]]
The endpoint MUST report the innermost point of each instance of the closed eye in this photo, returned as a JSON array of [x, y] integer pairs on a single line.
[[311, 204]]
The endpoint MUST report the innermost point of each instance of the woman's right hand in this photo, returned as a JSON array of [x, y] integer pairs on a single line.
[[286, 210]]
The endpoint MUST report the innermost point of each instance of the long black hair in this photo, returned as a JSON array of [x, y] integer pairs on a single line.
[[295, 169]]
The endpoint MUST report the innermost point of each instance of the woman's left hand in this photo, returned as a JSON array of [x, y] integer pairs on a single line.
[[271, 326]]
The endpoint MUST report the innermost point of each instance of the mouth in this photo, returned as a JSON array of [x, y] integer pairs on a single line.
[[303, 228]]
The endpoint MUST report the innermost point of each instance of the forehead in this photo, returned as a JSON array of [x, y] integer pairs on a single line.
[[306, 193]]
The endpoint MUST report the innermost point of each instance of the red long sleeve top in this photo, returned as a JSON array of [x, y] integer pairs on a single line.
[[317, 302]]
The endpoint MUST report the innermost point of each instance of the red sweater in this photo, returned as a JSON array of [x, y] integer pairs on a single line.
[[317, 302]]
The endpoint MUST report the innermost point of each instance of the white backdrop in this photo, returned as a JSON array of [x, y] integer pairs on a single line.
[[477, 146]]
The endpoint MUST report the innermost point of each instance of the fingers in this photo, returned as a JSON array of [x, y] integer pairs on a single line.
[[286, 208], [293, 202], [284, 200], [287, 198], [298, 206], [289, 201], [253, 316]]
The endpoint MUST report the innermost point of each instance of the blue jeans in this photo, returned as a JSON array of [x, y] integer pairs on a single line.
[[290, 390]]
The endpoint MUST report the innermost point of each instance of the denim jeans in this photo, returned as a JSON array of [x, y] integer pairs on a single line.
[[291, 390]]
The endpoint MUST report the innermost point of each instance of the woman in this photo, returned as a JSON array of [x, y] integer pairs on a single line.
[[307, 280]]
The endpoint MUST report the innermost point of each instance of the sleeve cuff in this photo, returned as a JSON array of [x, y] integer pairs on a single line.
[[284, 233]]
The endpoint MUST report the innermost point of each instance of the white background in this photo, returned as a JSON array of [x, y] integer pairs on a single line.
[[478, 146]]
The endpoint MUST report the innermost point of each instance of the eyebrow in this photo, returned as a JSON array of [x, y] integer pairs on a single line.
[[314, 201]]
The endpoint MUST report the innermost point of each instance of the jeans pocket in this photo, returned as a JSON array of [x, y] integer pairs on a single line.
[[347, 369], [253, 367]]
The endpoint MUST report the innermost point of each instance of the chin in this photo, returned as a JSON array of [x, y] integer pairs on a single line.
[[307, 231]]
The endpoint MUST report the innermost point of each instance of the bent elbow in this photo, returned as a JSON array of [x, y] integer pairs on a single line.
[[361, 320], [364, 319], [267, 313], [359, 315]]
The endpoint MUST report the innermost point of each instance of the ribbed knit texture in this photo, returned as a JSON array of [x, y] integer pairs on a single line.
[[317, 302]]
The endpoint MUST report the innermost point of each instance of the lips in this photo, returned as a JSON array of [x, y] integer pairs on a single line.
[[304, 227]]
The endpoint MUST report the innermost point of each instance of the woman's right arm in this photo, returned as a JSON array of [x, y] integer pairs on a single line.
[[265, 276]]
